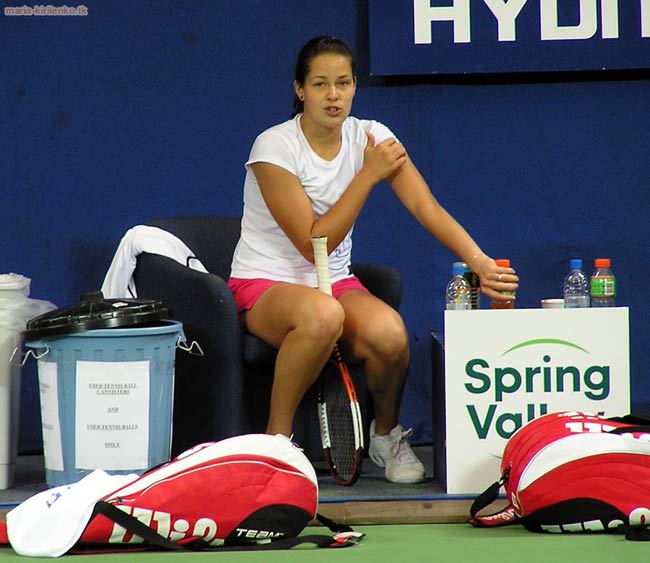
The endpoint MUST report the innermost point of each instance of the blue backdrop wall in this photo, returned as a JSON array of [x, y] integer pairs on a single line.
[[148, 109]]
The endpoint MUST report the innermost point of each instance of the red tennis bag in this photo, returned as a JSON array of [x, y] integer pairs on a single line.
[[253, 489], [573, 472]]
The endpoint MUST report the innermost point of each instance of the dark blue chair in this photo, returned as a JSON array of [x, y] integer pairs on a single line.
[[226, 392]]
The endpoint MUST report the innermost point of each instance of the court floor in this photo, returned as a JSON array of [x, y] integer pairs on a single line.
[[415, 543], [412, 523]]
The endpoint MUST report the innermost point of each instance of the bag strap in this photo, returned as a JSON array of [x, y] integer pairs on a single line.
[[489, 495], [333, 526], [133, 525], [632, 419], [630, 430], [636, 533], [504, 517], [344, 537], [486, 498]]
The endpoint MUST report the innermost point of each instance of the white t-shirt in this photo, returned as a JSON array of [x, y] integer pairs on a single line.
[[263, 250]]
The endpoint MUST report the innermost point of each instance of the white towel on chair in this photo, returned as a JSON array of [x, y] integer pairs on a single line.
[[142, 238]]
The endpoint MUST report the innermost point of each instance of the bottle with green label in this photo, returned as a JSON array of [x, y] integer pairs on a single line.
[[602, 285]]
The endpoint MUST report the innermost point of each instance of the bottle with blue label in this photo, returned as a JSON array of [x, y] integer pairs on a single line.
[[603, 284], [576, 286], [474, 285], [458, 290]]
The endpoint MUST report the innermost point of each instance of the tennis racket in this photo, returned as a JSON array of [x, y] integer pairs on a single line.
[[339, 414]]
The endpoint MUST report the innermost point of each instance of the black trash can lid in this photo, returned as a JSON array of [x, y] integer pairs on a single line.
[[94, 312]]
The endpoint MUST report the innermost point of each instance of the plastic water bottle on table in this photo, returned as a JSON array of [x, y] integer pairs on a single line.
[[576, 286], [458, 296]]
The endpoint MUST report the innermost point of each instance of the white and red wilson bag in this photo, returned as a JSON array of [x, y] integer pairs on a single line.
[[255, 491], [574, 472]]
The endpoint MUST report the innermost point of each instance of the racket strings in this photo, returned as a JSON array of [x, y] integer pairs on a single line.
[[343, 451]]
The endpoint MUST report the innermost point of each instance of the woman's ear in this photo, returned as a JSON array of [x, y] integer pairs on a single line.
[[298, 90]]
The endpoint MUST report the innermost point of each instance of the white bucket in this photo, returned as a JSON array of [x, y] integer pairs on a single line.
[[14, 290], [16, 308]]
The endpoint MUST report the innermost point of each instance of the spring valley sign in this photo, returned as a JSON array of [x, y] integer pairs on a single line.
[[505, 368], [495, 36]]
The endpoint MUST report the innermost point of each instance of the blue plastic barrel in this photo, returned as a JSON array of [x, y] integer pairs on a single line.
[[107, 399]]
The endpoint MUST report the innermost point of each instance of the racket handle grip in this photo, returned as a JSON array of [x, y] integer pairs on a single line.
[[321, 261]]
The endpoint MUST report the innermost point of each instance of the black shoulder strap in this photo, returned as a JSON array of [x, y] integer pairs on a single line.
[[486, 498], [333, 526], [133, 525], [504, 517], [636, 533], [633, 420], [345, 535]]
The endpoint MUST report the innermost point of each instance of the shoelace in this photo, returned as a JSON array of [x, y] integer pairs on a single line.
[[401, 449], [295, 444]]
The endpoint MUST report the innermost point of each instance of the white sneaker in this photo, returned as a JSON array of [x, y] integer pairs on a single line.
[[395, 454]]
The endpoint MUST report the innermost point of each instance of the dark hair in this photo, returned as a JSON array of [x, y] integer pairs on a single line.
[[323, 44]]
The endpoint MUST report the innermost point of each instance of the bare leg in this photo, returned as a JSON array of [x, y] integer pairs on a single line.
[[304, 324], [375, 333]]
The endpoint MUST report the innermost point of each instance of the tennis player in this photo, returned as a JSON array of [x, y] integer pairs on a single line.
[[311, 176]]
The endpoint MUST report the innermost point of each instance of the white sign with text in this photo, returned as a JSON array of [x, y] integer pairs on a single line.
[[502, 36], [504, 368], [50, 421], [112, 415]]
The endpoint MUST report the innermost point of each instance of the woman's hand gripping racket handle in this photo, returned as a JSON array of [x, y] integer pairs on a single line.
[[339, 413]]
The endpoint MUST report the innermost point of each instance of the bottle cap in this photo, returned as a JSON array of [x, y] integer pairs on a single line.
[[503, 262], [576, 264], [458, 269], [602, 262]]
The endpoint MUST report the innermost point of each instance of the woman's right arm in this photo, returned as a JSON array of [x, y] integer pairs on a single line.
[[291, 208]]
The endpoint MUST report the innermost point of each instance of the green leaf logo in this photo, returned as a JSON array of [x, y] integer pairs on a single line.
[[545, 341]]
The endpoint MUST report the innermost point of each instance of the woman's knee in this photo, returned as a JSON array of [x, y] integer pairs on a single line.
[[321, 318], [388, 339]]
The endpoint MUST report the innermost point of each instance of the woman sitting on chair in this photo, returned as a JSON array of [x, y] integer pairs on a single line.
[[310, 176]]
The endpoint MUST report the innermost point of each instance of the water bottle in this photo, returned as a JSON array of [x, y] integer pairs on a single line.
[[474, 285], [603, 284], [576, 286], [458, 290], [506, 303]]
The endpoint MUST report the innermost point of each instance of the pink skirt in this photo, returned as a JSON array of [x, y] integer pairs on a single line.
[[248, 291]]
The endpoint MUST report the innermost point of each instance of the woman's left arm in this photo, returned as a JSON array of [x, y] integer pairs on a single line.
[[415, 195]]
